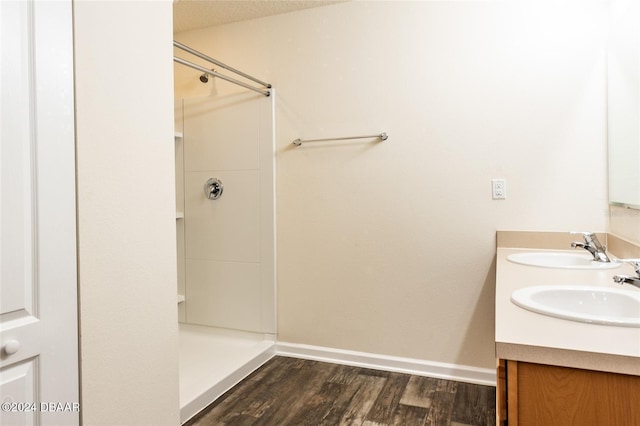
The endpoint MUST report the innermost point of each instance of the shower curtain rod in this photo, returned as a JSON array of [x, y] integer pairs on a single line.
[[222, 76], [218, 63]]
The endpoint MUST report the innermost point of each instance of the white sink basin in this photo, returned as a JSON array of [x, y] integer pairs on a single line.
[[591, 304], [560, 260]]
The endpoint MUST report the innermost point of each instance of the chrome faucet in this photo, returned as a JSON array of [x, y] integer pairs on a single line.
[[627, 279], [592, 245]]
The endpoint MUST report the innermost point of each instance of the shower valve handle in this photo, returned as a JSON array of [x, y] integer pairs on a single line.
[[213, 188]]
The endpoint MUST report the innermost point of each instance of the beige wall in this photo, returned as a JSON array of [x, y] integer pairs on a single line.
[[389, 248], [126, 213]]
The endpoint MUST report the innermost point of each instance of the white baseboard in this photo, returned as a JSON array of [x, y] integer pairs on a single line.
[[438, 370]]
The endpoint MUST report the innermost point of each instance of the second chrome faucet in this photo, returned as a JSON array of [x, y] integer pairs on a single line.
[[592, 245], [628, 279]]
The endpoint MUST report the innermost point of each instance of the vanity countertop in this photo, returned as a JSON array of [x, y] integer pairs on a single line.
[[522, 335]]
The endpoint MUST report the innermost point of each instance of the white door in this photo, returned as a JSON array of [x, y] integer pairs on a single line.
[[38, 285]]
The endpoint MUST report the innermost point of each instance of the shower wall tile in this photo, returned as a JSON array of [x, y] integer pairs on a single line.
[[221, 133], [224, 294], [226, 229]]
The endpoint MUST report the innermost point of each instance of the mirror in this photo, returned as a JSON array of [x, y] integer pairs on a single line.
[[624, 104]]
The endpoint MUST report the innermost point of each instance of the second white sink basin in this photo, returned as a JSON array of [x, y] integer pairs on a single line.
[[561, 260], [591, 304]]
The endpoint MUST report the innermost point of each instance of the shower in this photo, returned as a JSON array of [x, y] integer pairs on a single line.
[[225, 192]]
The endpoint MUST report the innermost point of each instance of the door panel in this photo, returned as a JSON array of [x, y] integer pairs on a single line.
[[19, 380], [16, 162]]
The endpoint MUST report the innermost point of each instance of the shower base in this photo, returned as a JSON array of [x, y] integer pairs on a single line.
[[212, 360]]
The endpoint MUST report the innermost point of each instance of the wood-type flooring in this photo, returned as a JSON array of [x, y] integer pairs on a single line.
[[291, 391]]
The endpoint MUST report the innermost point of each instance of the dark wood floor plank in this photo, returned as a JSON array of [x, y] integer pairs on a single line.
[[321, 406], [419, 391], [289, 391], [340, 405], [344, 374], [302, 388], [442, 403], [474, 404], [406, 415], [366, 391], [384, 407]]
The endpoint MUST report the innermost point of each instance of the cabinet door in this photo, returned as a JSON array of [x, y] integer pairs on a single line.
[[550, 395]]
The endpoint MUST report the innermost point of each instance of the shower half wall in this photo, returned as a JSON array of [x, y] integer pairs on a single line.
[[226, 247]]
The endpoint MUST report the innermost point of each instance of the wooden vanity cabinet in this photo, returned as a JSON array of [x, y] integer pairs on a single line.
[[531, 394]]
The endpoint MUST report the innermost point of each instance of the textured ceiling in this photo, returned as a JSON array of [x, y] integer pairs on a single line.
[[194, 14]]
